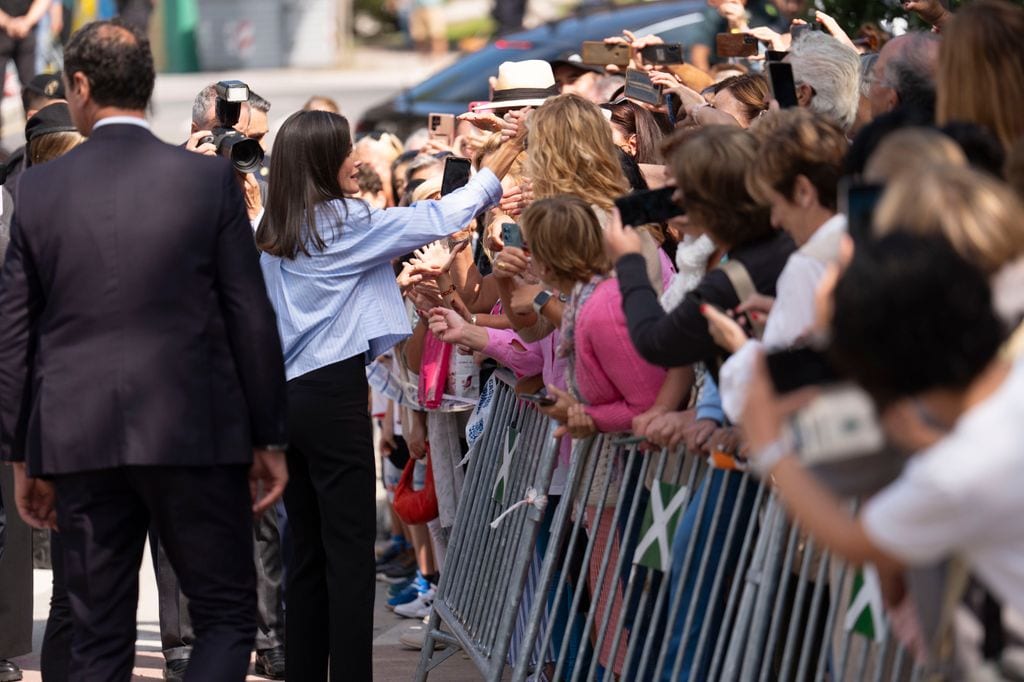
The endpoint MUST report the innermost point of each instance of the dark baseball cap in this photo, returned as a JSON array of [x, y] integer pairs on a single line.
[[47, 85], [55, 118]]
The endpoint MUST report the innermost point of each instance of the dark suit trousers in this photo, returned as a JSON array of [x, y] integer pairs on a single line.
[[203, 517], [332, 518], [176, 634], [15, 576], [55, 657]]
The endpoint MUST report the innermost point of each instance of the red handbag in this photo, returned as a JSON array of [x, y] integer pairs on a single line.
[[416, 506]]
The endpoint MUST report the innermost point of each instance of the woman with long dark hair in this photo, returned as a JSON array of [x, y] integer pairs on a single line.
[[327, 264]]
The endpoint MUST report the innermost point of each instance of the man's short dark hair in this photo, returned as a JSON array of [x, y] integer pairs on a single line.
[[259, 103], [116, 59], [911, 315]]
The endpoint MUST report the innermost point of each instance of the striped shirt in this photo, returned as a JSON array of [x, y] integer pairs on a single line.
[[343, 301]]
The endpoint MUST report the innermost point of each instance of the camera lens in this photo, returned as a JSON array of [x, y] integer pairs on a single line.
[[247, 155]]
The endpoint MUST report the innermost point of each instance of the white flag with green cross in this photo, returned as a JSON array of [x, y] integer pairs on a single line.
[[508, 449], [866, 614]]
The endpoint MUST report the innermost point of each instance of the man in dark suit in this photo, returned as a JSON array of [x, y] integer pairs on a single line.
[[141, 376]]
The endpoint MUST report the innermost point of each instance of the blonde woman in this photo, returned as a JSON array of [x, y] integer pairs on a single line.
[[571, 152]]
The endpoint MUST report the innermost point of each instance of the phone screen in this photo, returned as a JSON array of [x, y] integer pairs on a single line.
[[775, 55], [799, 367], [651, 206], [857, 201], [456, 174], [780, 75]]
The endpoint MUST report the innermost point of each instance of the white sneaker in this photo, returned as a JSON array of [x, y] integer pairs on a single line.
[[416, 636], [419, 607]]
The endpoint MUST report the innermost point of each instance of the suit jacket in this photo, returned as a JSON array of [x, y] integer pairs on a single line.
[[135, 327]]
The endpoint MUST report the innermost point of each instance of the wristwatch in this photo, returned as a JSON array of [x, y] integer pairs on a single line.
[[541, 300]]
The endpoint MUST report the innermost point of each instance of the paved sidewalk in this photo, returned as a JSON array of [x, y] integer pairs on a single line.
[[391, 661]]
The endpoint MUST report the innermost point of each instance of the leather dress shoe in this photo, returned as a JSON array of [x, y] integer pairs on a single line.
[[174, 671], [9, 671], [270, 663]]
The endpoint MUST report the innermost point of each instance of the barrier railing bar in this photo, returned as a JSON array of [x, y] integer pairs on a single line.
[[527, 543], [664, 590], [782, 593], [547, 571], [633, 583], [584, 572], [620, 563], [705, 559], [820, 585], [677, 598], [789, 652], [738, 589], [716, 587]]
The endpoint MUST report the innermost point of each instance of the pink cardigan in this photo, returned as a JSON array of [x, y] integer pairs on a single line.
[[614, 380]]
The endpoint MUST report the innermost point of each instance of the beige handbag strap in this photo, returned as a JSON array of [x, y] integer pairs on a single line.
[[744, 287]]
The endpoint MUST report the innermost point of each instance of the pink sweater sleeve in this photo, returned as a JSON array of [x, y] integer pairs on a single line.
[[610, 373], [505, 346]]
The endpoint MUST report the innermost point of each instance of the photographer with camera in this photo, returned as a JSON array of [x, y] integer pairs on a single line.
[[223, 114]]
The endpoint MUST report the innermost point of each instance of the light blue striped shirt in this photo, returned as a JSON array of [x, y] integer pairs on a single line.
[[344, 301]]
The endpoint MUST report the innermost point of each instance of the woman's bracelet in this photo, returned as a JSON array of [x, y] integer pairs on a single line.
[[448, 292], [767, 458]]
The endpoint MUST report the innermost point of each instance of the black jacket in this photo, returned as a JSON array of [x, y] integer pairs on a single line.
[[135, 327]]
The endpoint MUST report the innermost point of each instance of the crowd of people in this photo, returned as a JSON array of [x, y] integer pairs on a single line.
[[844, 252]]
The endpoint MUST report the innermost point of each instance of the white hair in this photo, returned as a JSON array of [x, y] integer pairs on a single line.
[[833, 70]]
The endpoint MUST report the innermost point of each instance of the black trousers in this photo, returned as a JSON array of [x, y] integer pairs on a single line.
[[55, 656], [176, 636], [15, 576], [332, 519], [203, 517], [22, 52]]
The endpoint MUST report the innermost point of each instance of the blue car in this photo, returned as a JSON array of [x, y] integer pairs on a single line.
[[451, 89]]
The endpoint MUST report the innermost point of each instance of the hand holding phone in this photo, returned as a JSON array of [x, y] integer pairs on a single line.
[[540, 398], [442, 127], [600, 53], [663, 53], [783, 85], [456, 174], [651, 206], [640, 87], [736, 45], [512, 235]]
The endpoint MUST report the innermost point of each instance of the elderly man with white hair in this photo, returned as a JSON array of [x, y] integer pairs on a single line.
[[827, 76]]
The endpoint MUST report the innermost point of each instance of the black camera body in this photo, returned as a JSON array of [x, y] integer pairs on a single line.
[[245, 153]]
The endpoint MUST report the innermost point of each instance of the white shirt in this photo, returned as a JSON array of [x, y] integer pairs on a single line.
[[964, 495], [792, 313], [121, 120]]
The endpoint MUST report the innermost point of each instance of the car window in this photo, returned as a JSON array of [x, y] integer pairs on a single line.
[[466, 80], [693, 28]]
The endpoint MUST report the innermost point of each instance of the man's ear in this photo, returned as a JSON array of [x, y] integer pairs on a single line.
[[79, 84], [804, 94], [805, 194]]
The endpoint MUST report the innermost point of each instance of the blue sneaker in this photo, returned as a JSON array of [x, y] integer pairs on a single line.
[[412, 591], [397, 588], [395, 546]]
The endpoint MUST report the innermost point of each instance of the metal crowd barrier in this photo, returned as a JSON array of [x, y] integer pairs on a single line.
[[656, 566]]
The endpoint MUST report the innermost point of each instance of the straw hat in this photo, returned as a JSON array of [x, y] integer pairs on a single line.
[[522, 84]]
